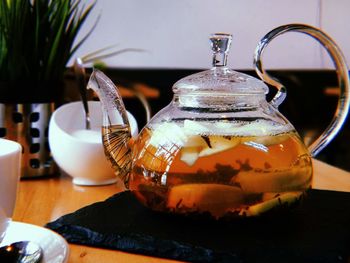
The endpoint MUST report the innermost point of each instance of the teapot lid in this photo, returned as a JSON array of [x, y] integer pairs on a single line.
[[220, 79]]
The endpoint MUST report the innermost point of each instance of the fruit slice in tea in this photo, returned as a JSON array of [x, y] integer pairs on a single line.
[[204, 197]]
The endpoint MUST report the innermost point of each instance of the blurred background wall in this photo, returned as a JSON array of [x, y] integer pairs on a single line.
[[175, 33]]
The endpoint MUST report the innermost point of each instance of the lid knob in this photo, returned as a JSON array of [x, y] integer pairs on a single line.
[[220, 45]]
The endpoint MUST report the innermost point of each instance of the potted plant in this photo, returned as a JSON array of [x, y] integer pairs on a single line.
[[36, 42]]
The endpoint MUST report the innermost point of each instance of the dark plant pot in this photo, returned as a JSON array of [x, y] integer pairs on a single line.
[[31, 92], [25, 111]]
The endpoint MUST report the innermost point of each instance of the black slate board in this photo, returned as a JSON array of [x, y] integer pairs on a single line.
[[316, 231]]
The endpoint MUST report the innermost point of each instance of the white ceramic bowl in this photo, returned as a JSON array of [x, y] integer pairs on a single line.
[[79, 152]]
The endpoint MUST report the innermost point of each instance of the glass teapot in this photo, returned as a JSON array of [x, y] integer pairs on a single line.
[[219, 147]]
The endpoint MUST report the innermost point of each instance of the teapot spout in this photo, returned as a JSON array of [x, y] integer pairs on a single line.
[[116, 133]]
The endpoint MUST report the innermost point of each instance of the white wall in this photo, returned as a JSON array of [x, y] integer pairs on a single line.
[[175, 33]]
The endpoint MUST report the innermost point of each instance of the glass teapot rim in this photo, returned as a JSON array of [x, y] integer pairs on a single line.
[[220, 80]]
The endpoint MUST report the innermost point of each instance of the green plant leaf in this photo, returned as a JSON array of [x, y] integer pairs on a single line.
[[37, 37]]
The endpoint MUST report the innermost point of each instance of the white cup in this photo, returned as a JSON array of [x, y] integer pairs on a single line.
[[77, 151], [10, 169]]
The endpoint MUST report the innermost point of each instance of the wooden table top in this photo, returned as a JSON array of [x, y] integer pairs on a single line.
[[44, 200]]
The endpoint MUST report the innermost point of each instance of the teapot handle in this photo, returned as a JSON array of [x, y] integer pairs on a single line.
[[342, 74]]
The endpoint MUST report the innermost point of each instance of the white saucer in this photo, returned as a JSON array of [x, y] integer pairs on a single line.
[[54, 246]]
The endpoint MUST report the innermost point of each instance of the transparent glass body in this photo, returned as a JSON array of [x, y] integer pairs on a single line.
[[221, 154]]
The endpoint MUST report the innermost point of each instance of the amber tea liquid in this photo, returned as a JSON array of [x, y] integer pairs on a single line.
[[220, 175]]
